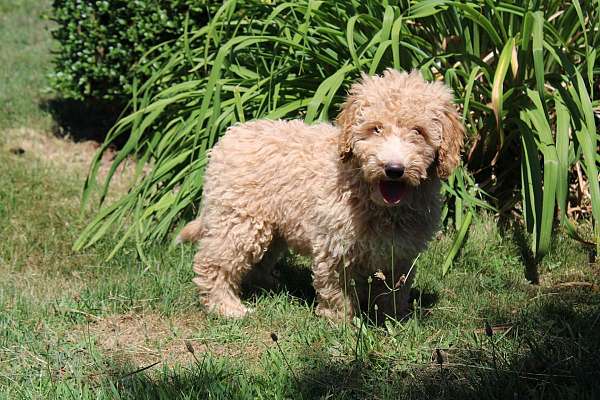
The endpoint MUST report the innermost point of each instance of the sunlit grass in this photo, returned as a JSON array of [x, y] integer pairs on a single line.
[[25, 42], [74, 325]]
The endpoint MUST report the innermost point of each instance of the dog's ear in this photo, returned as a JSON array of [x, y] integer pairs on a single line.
[[350, 114], [453, 133], [345, 121]]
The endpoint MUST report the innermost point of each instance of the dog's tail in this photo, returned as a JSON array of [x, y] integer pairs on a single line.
[[190, 233]]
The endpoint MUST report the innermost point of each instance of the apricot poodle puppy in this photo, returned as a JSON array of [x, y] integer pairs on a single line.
[[360, 197]]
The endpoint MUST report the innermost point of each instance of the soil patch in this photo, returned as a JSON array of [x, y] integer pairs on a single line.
[[143, 339], [67, 155]]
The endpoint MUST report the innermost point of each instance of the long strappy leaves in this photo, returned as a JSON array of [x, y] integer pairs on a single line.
[[528, 129]]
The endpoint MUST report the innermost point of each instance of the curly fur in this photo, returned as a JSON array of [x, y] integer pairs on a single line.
[[317, 190]]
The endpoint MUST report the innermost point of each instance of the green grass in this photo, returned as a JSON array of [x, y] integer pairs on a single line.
[[62, 312], [73, 326], [24, 62]]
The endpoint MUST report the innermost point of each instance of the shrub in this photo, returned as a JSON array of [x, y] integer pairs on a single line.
[[523, 72], [101, 41]]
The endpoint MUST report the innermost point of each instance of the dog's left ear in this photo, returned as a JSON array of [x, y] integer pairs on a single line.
[[453, 132]]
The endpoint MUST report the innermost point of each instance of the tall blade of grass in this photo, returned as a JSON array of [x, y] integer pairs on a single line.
[[587, 138], [563, 122], [537, 116], [538, 52], [469, 90], [583, 27], [531, 183], [498, 88], [526, 31], [329, 85], [239, 105], [350, 40], [102, 222], [457, 244], [396, 29], [471, 13], [427, 8], [378, 56]]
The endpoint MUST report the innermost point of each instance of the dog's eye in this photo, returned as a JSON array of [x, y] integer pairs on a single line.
[[377, 130]]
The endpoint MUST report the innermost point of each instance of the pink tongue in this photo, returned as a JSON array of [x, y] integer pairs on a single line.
[[392, 191]]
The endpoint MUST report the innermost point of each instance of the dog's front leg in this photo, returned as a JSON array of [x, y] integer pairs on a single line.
[[333, 291]]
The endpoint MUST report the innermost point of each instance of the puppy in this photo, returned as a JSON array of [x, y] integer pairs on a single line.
[[360, 197]]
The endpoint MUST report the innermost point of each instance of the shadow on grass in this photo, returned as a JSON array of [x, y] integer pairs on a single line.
[[554, 353], [208, 378], [519, 237], [83, 120], [289, 277], [295, 280]]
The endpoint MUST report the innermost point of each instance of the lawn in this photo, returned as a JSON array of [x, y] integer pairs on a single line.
[[73, 325]]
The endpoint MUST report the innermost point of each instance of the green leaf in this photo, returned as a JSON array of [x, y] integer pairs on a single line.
[[458, 242]]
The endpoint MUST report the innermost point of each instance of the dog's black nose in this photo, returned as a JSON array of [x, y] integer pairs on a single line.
[[394, 171]]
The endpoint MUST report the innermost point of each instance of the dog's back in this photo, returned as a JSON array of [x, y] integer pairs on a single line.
[[266, 168]]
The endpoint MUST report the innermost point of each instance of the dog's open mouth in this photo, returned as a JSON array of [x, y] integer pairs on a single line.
[[392, 191]]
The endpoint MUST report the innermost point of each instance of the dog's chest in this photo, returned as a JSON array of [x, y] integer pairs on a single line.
[[376, 240], [381, 241]]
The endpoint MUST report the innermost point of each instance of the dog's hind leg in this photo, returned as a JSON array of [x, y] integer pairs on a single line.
[[231, 246]]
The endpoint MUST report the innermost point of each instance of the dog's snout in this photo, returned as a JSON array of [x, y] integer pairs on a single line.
[[394, 170]]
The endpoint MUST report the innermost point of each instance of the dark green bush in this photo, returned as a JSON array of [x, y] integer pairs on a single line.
[[100, 42]]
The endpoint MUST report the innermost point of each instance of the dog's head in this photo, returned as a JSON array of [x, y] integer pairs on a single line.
[[399, 130]]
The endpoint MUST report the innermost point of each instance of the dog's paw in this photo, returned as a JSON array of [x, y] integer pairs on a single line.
[[231, 311], [235, 313], [334, 315]]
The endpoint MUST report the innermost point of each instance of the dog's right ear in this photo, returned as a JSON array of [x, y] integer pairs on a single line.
[[350, 115], [345, 122]]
